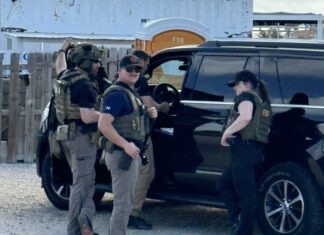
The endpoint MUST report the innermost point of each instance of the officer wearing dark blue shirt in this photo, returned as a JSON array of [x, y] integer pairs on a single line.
[[146, 172], [121, 122]]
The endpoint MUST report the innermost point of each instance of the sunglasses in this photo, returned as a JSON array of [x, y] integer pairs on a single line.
[[96, 61], [130, 69]]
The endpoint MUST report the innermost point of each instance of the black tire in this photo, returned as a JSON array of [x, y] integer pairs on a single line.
[[289, 202], [58, 192]]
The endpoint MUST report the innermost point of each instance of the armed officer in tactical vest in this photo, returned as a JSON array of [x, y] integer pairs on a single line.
[[75, 102], [124, 121], [246, 133]]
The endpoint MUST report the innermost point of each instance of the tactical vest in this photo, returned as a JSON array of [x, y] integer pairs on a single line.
[[65, 110], [258, 128], [134, 125]]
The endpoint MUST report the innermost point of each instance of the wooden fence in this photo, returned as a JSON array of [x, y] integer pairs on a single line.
[[23, 100]]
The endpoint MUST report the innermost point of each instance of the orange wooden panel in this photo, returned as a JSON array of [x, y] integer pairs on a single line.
[[168, 39], [175, 38]]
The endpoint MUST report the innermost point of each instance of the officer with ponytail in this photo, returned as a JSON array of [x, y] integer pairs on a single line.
[[246, 133]]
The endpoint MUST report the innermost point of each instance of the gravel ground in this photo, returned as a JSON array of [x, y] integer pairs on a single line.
[[24, 209]]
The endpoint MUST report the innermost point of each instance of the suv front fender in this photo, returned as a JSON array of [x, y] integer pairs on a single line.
[[42, 150]]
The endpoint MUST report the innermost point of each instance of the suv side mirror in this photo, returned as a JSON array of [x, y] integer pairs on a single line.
[[183, 67]]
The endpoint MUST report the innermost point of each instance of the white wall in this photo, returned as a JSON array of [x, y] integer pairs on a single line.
[[51, 45], [112, 22], [123, 17]]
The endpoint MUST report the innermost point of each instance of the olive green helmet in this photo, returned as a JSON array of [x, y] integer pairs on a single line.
[[85, 51]]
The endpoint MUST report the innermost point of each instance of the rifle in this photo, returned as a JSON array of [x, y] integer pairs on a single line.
[[144, 146]]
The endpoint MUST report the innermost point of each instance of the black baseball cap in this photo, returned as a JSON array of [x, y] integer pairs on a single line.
[[245, 76], [130, 60]]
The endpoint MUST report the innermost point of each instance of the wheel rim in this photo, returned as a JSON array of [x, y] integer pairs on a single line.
[[61, 190], [284, 206]]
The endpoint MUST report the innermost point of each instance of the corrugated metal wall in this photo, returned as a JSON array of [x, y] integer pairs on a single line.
[[123, 17]]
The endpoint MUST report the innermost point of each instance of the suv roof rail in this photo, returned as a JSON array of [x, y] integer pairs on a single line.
[[265, 43]]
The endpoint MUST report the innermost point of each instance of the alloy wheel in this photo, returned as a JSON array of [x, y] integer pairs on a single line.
[[284, 206]]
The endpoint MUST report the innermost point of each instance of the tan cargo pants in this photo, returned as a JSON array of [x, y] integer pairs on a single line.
[[123, 187], [81, 155]]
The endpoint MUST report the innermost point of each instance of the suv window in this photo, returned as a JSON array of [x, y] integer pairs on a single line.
[[302, 75], [216, 71], [269, 75], [171, 71]]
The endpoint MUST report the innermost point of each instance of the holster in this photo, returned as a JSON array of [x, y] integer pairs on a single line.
[[62, 132], [66, 131], [55, 145], [95, 139], [72, 130], [124, 161], [109, 146]]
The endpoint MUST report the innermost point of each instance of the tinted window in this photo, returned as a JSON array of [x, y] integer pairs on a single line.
[[268, 74], [302, 75], [216, 71]]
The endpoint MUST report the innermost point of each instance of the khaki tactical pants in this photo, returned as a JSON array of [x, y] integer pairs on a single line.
[[123, 187], [81, 155]]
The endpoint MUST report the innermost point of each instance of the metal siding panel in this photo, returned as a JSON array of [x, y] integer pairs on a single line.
[[122, 17]]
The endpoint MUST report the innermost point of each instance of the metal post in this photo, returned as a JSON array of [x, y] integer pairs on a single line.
[[320, 28]]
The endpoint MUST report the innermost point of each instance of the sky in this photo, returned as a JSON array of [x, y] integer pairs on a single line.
[[291, 6]]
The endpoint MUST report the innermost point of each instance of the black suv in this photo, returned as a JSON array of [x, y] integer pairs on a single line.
[[188, 156]]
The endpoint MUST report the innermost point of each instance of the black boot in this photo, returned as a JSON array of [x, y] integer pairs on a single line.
[[138, 223]]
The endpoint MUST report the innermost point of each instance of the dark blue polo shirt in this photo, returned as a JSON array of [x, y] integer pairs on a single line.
[[117, 103]]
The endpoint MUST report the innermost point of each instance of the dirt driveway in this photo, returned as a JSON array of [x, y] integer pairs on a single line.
[[25, 210]]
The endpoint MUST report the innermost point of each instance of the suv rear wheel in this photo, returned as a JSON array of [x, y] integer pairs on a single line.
[[289, 201], [58, 191]]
